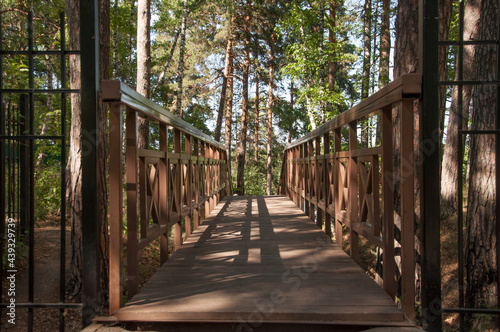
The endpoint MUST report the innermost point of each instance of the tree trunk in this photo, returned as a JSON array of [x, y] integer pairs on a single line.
[[74, 169], [256, 123], [222, 103], [229, 101], [143, 84], [270, 119], [180, 70], [321, 52], [367, 55], [481, 241], [332, 39], [240, 176], [385, 43], [449, 179]]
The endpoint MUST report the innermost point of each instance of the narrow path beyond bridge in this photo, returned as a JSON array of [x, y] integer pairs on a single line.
[[256, 262]]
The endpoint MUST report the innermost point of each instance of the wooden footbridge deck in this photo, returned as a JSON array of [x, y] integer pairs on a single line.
[[261, 262], [258, 260]]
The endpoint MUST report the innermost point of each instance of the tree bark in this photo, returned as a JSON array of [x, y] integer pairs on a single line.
[[332, 39], [270, 119], [322, 62], [367, 55], [74, 169], [385, 43], [449, 179], [229, 101], [222, 102], [180, 70], [240, 175], [256, 123], [143, 84], [481, 241]]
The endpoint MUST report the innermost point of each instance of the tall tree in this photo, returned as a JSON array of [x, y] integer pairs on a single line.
[[385, 43], [367, 48], [458, 118], [270, 115], [240, 177], [180, 70], [230, 86], [481, 240], [143, 84], [223, 93], [257, 111], [74, 168]]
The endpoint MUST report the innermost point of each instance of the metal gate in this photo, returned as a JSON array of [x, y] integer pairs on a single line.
[[25, 148]]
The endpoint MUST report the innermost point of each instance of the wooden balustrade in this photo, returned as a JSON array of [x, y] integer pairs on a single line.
[[355, 188], [165, 188]]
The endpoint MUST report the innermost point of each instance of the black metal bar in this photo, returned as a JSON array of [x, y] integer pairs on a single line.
[[472, 311], [89, 46], [45, 305], [62, 266], [468, 42], [429, 129], [460, 254], [39, 90], [24, 161], [461, 82], [31, 259], [32, 137], [67, 52]]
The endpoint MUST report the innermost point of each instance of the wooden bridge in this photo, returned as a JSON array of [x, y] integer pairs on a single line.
[[261, 262]]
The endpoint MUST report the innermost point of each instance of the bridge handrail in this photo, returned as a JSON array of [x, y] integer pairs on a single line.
[[168, 187], [345, 187]]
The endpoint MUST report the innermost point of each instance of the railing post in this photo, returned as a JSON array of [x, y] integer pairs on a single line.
[[407, 210], [326, 183], [311, 185], [353, 191], [187, 151], [388, 201], [132, 196], [337, 188], [318, 190], [163, 180], [178, 188], [115, 207], [196, 174]]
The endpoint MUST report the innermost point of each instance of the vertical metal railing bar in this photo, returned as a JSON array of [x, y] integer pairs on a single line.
[[31, 259], [62, 266], [461, 298]]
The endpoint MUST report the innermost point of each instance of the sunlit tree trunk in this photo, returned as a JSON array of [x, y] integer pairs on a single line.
[[270, 120], [256, 122], [240, 177], [385, 43], [229, 101], [449, 179], [143, 84], [180, 70]]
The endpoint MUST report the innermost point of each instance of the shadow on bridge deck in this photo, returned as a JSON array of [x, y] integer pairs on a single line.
[[256, 262]]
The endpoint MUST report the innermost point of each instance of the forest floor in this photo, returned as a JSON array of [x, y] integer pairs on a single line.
[[46, 279]]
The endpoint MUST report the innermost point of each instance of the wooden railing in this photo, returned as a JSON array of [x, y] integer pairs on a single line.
[[355, 188], [177, 184]]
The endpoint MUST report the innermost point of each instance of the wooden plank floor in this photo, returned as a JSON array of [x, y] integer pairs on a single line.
[[260, 259]]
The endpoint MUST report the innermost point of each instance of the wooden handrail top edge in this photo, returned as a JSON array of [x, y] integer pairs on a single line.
[[405, 86], [118, 92]]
